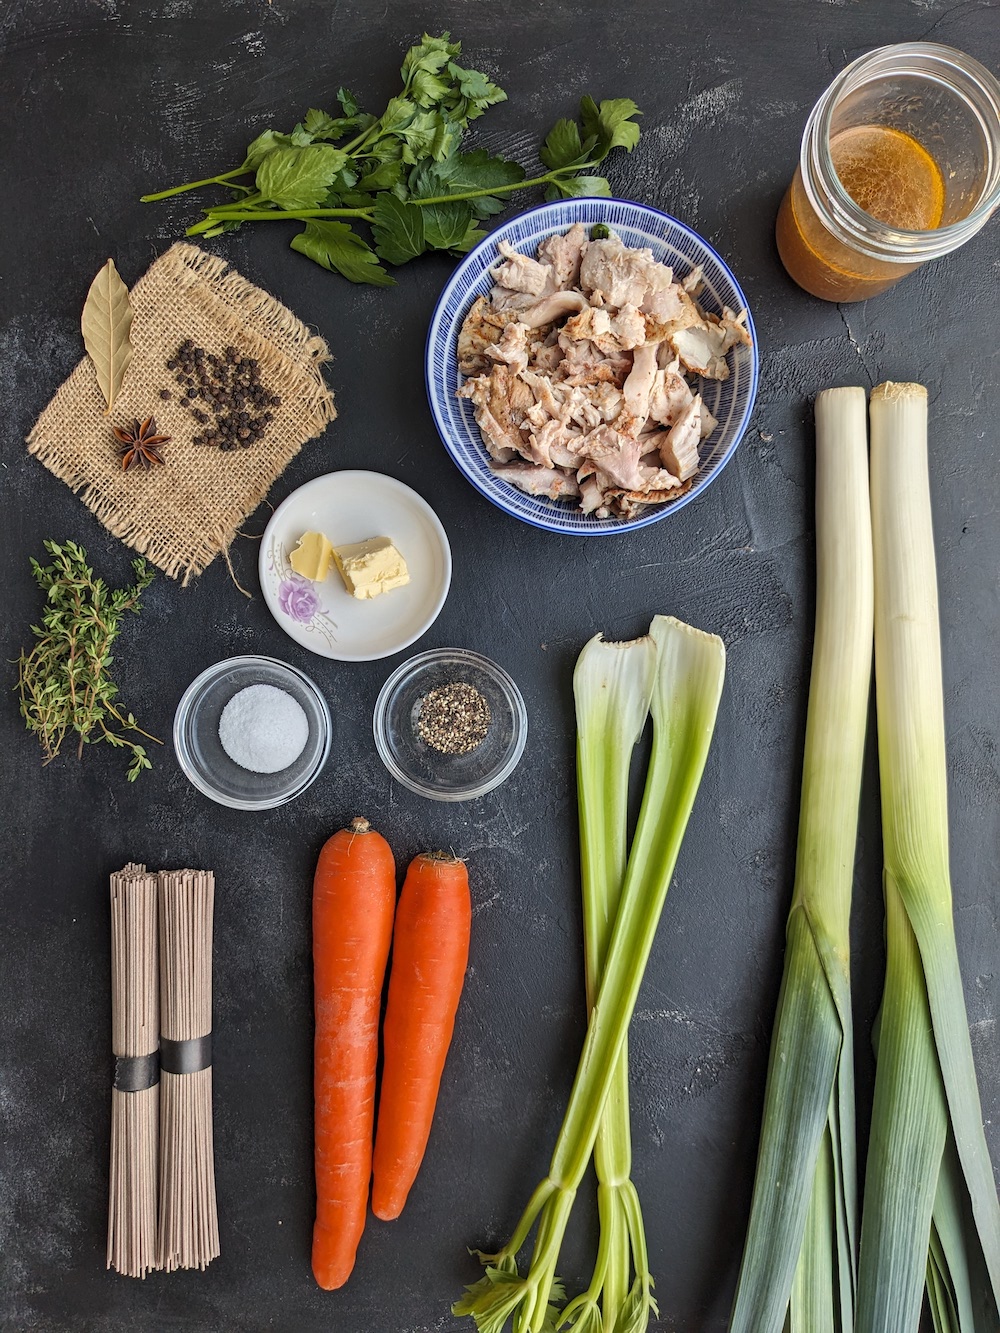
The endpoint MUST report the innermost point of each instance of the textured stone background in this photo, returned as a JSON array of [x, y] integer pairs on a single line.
[[102, 100]]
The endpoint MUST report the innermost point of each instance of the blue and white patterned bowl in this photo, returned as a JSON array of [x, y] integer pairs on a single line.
[[730, 401]]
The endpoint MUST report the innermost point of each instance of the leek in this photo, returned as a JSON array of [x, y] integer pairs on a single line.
[[689, 673], [931, 1212], [799, 1254]]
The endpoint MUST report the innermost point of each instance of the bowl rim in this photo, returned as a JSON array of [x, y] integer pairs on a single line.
[[491, 668], [423, 505], [183, 710], [657, 513]]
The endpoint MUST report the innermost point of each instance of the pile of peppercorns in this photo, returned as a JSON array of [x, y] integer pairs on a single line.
[[223, 393]]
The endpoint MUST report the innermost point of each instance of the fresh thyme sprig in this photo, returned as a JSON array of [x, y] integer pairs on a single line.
[[63, 681]]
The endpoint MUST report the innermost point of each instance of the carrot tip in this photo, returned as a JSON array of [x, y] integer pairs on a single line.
[[360, 825]]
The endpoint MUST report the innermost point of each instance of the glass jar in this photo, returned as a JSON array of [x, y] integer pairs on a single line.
[[936, 112]]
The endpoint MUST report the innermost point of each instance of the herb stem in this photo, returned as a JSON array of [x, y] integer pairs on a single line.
[[237, 214], [281, 215], [547, 179], [224, 179]]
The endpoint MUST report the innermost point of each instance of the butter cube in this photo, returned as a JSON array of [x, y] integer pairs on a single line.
[[312, 557], [371, 568]]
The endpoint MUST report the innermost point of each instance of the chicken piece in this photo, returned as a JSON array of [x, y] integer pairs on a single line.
[[611, 333], [629, 328], [679, 446], [512, 348], [592, 497], [590, 405], [548, 394], [552, 445], [613, 455], [501, 402], [522, 274], [669, 396], [708, 422], [637, 387], [583, 363], [694, 281], [545, 358], [622, 277], [551, 308], [630, 504], [618, 273], [548, 481], [702, 345], [702, 349], [664, 298], [564, 253], [482, 327]]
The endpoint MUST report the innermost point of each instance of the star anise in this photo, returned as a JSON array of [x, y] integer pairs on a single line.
[[139, 445]]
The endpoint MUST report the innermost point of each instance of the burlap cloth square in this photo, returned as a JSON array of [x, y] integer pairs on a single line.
[[183, 515]]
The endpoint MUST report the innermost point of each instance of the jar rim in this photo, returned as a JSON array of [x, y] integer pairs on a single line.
[[858, 229]]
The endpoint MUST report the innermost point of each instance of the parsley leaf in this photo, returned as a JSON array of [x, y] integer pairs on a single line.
[[299, 177], [579, 187], [320, 125], [338, 248], [476, 90], [348, 102], [562, 147], [462, 173], [398, 229], [611, 124], [262, 145], [446, 225]]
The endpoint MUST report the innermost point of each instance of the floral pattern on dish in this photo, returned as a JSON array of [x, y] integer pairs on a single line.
[[298, 597]]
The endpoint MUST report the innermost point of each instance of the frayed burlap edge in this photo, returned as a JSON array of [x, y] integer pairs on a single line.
[[290, 357]]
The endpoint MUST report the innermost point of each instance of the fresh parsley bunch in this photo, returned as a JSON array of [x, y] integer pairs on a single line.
[[63, 681], [403, 173]]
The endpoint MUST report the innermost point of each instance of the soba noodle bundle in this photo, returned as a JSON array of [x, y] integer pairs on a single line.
[[188, 1220], [135, 1031]]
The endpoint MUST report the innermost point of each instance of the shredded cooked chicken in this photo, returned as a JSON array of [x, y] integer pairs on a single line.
[[576, 367]]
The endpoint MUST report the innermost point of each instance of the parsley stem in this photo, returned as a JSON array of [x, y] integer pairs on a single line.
[[281, 215], [195, 185], [235, 213], [547, 179]]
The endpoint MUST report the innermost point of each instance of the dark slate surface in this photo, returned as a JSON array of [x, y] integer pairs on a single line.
[[104, 99]]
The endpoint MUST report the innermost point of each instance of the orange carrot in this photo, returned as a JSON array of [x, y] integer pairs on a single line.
[[430, 950], [354, 896]]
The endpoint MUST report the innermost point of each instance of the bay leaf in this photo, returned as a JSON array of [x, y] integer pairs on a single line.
[[106, 321]]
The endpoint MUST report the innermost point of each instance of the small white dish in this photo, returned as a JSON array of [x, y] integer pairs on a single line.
[[351, 507]]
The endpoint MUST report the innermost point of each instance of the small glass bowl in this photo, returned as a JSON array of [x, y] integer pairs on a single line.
[[425, 770], [200, 752]]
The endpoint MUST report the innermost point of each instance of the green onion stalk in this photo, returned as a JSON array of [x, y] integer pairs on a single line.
[[690, 666]]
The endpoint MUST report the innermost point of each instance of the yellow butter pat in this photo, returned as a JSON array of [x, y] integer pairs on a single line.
[[371, 568], [312, 557]]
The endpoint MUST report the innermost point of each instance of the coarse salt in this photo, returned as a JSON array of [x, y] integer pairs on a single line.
[[263, 729]]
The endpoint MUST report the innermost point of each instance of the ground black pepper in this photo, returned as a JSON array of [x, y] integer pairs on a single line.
[[454, 718]]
